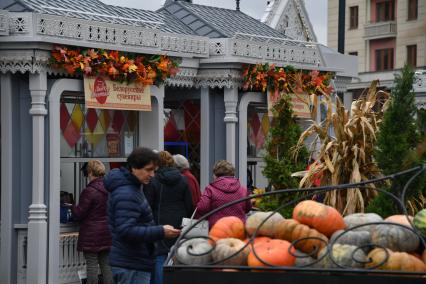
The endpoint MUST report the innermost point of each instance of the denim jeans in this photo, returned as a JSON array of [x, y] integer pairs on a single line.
[[127, 276], [157, 274]]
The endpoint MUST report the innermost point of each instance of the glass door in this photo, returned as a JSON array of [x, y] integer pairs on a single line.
[[86, 134]]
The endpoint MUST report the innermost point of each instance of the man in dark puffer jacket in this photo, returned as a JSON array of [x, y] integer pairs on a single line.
[[131, 221]]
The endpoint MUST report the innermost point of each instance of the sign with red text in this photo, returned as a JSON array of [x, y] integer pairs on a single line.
[[300, 102], [104, 93]]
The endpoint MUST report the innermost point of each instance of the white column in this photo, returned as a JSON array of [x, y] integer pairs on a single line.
[[6, 179], [347, 100], [37, 220], [246, 99], [205, 137], [151, 123], [318, 121], [231, 101], [72, 85]]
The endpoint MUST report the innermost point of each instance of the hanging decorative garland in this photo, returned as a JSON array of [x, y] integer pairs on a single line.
[[287, 80], [115, 65], [263, 77]]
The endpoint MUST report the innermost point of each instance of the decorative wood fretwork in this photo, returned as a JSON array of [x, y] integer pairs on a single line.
[[21, 61]]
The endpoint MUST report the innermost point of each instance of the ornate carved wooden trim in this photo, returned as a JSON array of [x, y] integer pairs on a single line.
[[4, 23], [219, 78], [184, 78], [420, 83], [82, 32], [22, 61], [341, 83], [266, 49]]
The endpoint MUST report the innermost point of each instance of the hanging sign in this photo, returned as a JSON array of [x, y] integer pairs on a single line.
[[103, 93], [272, 98], [300, 103]]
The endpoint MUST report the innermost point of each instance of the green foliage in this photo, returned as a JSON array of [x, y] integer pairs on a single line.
[[397, 139], [280, 162], [383, 205]]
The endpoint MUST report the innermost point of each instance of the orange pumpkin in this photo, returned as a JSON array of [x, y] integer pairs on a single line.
[[323, 218], [228, 227], [424, 256], [274, 252], [400, 219], [291, 230], [396, 261], [416, 255], [261, 240], [258, 240]]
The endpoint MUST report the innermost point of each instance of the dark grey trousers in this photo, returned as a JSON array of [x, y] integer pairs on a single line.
[[95, 260]]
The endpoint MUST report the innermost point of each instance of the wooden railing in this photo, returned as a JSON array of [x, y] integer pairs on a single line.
[[70, 260]]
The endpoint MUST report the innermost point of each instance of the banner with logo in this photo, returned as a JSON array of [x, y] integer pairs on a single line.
[[103, 93], [300, 102]]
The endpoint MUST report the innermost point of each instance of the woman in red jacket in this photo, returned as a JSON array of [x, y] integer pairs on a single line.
[[224, 189], [94, 238]]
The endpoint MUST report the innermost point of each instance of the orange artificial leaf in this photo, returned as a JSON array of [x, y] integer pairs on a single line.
[[112, 71], [92, 53]]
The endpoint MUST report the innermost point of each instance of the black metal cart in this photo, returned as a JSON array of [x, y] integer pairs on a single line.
[[215, 273], [209, 275]]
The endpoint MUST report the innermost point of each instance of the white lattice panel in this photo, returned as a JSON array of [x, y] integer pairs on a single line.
[[276, 52], [4, 23], [115, 35]]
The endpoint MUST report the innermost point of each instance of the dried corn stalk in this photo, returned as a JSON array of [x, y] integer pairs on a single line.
[[346, 157]]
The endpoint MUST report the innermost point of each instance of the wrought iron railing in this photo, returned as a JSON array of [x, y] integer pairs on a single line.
[[366, 267]]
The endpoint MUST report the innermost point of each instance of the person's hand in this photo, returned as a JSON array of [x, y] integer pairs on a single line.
[[170, 232]]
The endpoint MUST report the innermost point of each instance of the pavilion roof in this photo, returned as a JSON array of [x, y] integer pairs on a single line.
[[99, 11], [175, 17], [217, 22]]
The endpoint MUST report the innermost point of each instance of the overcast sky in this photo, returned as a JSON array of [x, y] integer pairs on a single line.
[[317, 10]]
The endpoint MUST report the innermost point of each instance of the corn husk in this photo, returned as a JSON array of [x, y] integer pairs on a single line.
[[346, 156]]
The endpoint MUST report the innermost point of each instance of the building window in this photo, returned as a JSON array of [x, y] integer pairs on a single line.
[[385, 11], [412, 55], [96, 133], [354, 53], [384, 59], [353, 12], [412, 9]]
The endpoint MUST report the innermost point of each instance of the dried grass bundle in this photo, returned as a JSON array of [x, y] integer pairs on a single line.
[[346, 157]]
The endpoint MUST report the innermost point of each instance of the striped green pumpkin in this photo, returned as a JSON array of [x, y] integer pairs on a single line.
[[420, 221]]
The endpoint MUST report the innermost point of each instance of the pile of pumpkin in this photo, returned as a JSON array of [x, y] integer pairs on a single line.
[[317, 236]]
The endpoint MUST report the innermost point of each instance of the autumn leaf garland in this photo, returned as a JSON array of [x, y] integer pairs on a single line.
[[115, 65], [263, 77], [155, 69]]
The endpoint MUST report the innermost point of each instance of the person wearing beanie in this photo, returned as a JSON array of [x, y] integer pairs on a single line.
[[183, 166]]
